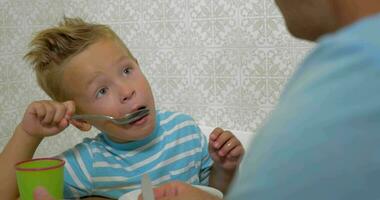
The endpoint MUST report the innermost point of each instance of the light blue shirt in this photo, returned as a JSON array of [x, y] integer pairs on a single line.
[[323, 139], [176, 150]]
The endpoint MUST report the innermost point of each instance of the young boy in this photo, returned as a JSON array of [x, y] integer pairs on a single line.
[[86, 69]]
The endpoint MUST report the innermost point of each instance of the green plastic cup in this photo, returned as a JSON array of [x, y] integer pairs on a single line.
[[40, 172]]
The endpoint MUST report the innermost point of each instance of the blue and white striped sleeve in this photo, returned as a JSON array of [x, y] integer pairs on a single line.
[[77, 170]]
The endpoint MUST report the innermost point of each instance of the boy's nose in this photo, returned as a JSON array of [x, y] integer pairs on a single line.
[[126, 93]]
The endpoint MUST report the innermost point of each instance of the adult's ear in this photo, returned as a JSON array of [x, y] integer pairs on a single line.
[[81, 124]]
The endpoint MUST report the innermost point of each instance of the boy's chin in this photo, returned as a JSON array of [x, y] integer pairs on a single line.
[[140, 136], [129, 137], [133, 134]]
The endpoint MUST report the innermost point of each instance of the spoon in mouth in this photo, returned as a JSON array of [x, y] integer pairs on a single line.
[[127, 119]]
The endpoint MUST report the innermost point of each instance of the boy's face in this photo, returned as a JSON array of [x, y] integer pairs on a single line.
[[104, 79]]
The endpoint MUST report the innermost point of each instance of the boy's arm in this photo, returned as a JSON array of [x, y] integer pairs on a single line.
[[41, 119], [20, 147], [220, 178], [226, 151]]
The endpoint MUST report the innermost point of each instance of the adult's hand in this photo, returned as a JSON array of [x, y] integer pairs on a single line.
[[41, 194], [178, 190]]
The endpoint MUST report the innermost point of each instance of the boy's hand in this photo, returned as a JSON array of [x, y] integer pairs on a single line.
[[47, 118], [225, 149]]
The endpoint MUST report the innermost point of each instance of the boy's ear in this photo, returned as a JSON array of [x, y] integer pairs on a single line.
[[81, 124]]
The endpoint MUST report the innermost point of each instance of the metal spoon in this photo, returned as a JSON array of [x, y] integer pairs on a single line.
[[127, 119]]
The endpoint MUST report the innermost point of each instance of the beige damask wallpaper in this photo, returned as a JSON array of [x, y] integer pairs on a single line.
[[222, 61]]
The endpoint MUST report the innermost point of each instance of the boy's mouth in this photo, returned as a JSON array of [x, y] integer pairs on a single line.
[[141, 119]]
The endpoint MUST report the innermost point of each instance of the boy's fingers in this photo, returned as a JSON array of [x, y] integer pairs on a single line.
[[238, 151], [38, 110], [49, 114], [222, 139], [215, 133], [63, 123], [228, 146], [70, 108], [63, 112], [60, 112], [42, 112]]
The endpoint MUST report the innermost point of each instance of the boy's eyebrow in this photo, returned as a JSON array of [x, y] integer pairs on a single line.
[[119, 60], [97, 74]]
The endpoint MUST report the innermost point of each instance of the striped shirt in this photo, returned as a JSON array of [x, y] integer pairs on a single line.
[[176, 150]]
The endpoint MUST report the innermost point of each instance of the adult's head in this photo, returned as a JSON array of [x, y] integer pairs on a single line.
[[310, 19]]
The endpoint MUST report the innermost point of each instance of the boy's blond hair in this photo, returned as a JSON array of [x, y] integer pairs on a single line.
[[53, 47]]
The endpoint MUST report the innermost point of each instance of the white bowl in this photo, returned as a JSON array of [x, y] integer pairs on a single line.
[[133, 195]]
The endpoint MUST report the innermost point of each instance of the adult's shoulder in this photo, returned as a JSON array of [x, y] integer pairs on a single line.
[[355, 41], [346, 60]]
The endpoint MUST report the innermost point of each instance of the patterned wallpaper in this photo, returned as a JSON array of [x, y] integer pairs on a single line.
[[224, 62]]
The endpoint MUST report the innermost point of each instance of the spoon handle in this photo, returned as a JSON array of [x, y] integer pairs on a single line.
[[94, 117]]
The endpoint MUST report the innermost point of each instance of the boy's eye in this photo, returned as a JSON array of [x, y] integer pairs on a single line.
[[101, 92], [127, 70]]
